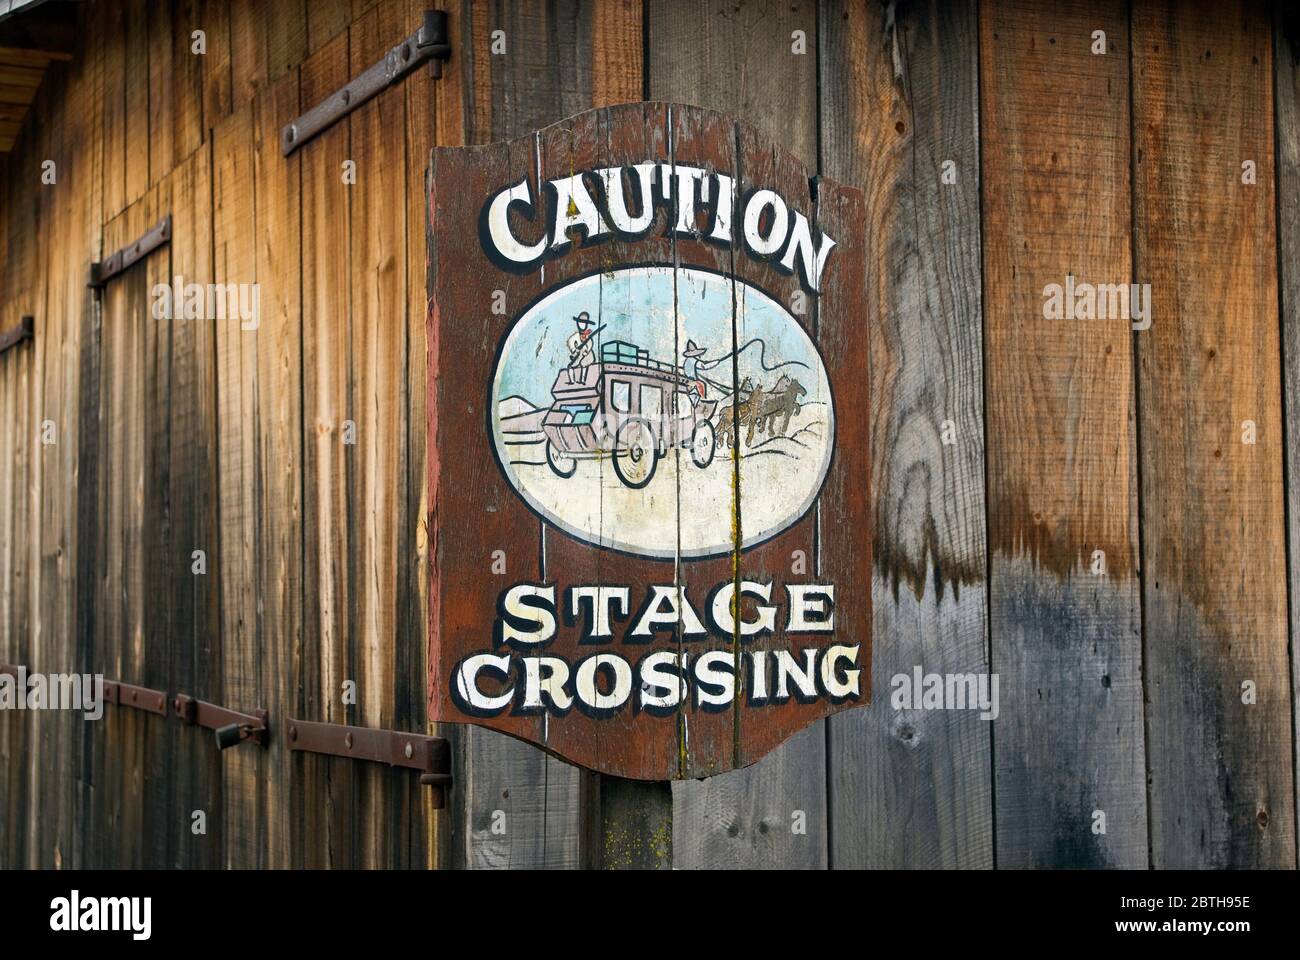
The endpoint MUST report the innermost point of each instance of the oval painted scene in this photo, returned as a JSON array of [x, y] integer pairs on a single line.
[[629, 407]]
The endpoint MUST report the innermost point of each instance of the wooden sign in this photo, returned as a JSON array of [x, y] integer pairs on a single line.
[[648, 458]]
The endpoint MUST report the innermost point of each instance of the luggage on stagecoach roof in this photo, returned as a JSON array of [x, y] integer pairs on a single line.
[[620, 351]]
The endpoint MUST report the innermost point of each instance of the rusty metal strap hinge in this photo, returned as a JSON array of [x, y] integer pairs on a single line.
[[140, 698], [429, 43], [230, 726], [108, 268], [25, 330], [414, 751]]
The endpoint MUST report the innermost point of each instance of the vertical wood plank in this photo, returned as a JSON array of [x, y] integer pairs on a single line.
[[165, 113], [119, 640], [912, 788], [139, 125], [1286, 66], [617, 56], [158, 499], [545, 73], [12, 822], [739, 59], [38, 141], [89, 431], [279, 442], [80, 203], [248, 50], [13, 753], [286, 36], [21, 434], [174, 416], [27, 741], [214, 21], [631, 823], [415, 803], [42, 294], [196, 660], [239, 518], [1222, 789], [184, 17], [1065, 641], [90, 202], [106, 781], [742, 62], [325, 787], [110, 21], [209, 651], [138, 812], [47, 479], [378, 291]]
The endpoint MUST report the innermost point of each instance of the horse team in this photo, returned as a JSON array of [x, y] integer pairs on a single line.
[[757, 410]]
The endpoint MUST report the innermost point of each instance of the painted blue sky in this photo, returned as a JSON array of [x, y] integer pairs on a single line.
[[636, 306]]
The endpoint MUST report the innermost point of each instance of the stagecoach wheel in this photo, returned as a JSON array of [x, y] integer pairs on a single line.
[[634, 454], [561, 464], [703, 438]]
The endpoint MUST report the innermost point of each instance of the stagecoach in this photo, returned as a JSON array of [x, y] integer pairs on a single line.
[[629, 407]]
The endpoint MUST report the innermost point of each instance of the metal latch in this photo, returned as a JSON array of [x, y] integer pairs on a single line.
[[139, 698], [108, 268], [25, 330], [230, 726], [413, 751], [429, 43]]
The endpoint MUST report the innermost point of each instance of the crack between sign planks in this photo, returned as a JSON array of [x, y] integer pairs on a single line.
[[605, 272], [736, 519], [683, 727], [827, 778], [814, 189], [541, 559]]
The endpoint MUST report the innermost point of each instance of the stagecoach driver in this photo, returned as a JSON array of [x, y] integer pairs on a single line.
[[580, 353], [691, 367]]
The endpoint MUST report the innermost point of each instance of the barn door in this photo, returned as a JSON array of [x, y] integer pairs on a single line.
[[647, 438]]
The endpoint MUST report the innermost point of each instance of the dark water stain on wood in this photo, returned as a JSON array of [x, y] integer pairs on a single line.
[[927, 559], [1059, 545]]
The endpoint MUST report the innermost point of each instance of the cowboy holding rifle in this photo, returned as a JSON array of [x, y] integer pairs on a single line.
[[581, 355]]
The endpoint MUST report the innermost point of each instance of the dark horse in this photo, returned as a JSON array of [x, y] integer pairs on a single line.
[[781, 401]]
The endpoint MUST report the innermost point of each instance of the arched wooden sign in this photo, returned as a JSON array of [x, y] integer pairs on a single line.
[[648, 458]]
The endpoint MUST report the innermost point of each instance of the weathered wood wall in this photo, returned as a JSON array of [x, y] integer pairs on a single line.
[[1007, 450]]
